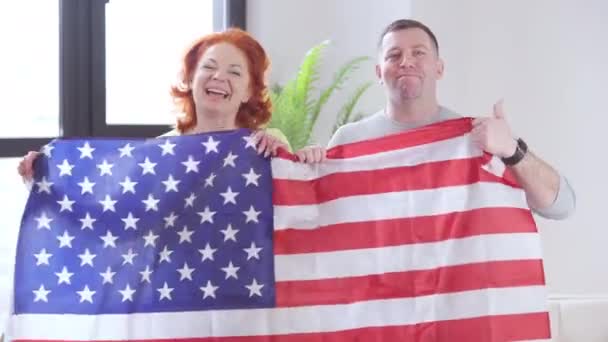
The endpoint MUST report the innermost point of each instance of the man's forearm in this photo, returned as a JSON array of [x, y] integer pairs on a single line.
[[539, 180]]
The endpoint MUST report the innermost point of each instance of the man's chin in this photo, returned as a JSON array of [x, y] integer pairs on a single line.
[[409, 94]]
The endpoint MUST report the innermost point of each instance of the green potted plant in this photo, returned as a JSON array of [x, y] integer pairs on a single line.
[[298, 104]]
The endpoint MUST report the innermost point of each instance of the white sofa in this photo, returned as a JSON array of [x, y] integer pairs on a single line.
[[579, 318]]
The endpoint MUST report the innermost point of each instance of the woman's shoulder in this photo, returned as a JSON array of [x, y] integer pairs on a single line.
[[172, 133]]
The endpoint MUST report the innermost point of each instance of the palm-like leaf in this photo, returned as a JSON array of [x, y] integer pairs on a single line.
[[340, 77], [346, 112], [308, 74], [296, 109]]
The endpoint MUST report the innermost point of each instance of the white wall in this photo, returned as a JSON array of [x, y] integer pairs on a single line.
[[548, 59], [288, 28]]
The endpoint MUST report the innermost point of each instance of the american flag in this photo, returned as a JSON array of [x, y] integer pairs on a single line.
[[414, 237]]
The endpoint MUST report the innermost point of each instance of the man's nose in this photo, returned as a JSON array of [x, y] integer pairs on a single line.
[[406, 61]]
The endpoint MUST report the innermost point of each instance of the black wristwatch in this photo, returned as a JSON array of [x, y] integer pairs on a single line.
[[520, 153]]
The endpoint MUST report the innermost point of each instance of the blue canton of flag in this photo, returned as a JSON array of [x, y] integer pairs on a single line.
[[162, 225]]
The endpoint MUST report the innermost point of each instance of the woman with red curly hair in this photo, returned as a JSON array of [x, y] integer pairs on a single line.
[[222, 87]]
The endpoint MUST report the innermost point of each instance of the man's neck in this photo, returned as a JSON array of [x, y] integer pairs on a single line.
[[414, 111]]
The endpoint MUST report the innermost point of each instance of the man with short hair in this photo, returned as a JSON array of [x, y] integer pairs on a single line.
[[408, 68]]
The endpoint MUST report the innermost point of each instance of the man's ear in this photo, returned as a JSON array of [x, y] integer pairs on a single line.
[[440, 68], [379, 73]]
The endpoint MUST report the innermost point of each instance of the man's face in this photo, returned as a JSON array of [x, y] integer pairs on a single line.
[[408, 64]]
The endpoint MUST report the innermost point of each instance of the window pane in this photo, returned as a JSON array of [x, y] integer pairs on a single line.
[[29, 65], [12, 198], [144, 43]]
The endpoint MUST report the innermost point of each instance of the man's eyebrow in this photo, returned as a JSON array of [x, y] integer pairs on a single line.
[[420, 46]]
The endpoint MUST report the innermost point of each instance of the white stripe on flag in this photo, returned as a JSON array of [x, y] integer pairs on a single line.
[[361, 262], [401, 204], [404, 311]]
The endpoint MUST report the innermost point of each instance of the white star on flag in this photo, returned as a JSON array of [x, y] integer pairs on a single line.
[[87, 222], [86, 258], [86, 151], [251, 178], [46, 149], [170, 220], [66, 204], [150, 239], [130, 221], [229, 233], [41, 294], [105, 168], [253, 251], [229, 160], [64, 276], [191, 165], [211, 145], [207, 253], [165, 292], [209, 180], [147, 167], [126, 150], [252, 215], [255, 288], [44, 221], [86, 185], [167, 148], [189, 201], [145, 275], [65, 168], [165, 255], [230, 271], [206, 215], [65, 240], [42, 258], [171, 184], [128, 258], [107, 276], [185, 272], [44, 186], [185, 235], [127, 293], [151, 203], [108, 204], [229, 196], [128, 186], [250, 142], [86, 295], [109, 240], [209, 290]]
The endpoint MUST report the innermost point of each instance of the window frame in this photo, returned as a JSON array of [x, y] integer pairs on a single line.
[[82, 70]]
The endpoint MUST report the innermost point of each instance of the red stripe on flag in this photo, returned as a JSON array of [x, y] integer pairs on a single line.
[[394, 232], [532, 326], [424, 176], [495, 274], [424, 135]]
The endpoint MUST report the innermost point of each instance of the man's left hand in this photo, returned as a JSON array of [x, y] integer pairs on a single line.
[[493, 134]]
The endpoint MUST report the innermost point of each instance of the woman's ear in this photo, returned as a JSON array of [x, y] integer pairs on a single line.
[[247, 96]]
